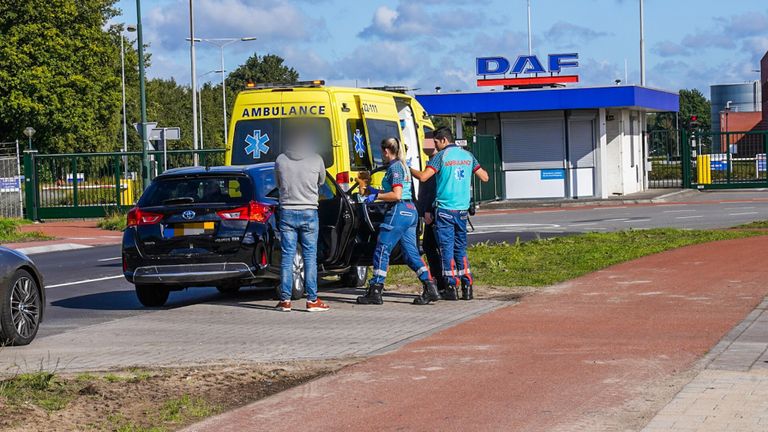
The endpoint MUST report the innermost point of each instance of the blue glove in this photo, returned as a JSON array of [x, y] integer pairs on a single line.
[[370, 198], [372, 190]]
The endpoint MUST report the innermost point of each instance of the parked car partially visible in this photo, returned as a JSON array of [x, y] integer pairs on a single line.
[[22, 298]]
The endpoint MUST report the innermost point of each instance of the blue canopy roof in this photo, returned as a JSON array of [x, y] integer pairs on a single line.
[[635, 97]]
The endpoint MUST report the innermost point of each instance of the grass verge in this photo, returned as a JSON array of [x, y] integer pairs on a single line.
[[114, 221], [545, 262], [143, 400], [10, 231], [754, 225]]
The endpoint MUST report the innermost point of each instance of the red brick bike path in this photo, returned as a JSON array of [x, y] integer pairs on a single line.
[[548, 363]]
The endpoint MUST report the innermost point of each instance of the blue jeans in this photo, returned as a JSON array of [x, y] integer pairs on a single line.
[[399, 227], [451, 232], [298, 226]]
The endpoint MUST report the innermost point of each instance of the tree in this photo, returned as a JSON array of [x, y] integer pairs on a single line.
[[57, 74], [265, 69], [693, 102]]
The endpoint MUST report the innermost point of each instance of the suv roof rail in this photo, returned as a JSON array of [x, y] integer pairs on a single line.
[[314, 83]]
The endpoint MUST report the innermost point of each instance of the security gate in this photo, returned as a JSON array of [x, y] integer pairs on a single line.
[[487, 150], [724, 160], [10, 180]]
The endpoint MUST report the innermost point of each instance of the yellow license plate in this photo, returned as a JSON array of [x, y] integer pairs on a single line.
[[188, 229]]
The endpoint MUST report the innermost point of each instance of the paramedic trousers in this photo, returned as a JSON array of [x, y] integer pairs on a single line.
[[451, 232], [399, 226]]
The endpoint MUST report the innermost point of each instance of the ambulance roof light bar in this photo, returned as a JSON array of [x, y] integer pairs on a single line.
[[250, 85], [394, 89]]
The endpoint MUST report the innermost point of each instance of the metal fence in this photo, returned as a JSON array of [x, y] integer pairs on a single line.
[[717, 160], [11, 203], [77, 185], [665, 159]]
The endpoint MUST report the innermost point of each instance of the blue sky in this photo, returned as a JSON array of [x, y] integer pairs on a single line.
[[428, 43]]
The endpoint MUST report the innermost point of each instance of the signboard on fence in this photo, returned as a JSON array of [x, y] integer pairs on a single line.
[[10, 184], [719, 162], [80, 177], [760, 162]]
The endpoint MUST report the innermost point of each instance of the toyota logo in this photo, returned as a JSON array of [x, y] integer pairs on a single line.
[[188, 215]]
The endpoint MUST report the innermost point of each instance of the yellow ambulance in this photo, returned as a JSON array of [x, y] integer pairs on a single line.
[[348, 123]]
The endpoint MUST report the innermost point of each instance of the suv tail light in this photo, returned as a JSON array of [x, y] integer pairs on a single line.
[[138, 216], [255, 211], [342, 179]]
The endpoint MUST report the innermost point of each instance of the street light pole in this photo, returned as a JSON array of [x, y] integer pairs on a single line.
[[642, 44], [530, 38], [195, 156], [221, 43], [129, 28], [143, 98]]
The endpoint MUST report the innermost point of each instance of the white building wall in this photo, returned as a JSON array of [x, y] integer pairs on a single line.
[[624, 162]]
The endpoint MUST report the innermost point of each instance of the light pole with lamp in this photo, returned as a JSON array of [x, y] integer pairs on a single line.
[[29, 131], [143, 102], [130, 28], [200, 103], [221, 43]]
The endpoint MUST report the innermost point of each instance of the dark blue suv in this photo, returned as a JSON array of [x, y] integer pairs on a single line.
[[217, 226]]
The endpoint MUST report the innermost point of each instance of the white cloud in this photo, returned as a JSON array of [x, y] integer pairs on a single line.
[[167, 26], [566, 34], [411, 20]]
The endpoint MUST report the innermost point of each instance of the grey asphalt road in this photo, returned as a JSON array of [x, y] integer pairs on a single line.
[[85, 286]]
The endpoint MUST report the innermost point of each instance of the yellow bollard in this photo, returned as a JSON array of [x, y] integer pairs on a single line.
[[704, 169], [126, 192]]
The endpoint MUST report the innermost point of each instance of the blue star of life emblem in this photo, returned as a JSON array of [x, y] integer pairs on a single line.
[[257, 144], [359, 143], [460, 174]]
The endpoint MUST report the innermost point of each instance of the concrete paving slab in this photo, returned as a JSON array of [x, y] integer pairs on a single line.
[[241, 331]]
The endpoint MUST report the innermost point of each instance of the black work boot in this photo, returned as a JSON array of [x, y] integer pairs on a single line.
[[429, 293], [450, 293], [467, 292], [372, 296]]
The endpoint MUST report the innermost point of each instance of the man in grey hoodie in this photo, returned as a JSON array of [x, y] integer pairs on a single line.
[[300, 172]]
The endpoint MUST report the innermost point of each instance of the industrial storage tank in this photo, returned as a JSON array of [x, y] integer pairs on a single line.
[[744, 97]]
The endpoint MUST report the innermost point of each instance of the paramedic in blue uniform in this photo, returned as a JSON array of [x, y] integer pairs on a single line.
[[426, 207], [399, 226], [454, 168]]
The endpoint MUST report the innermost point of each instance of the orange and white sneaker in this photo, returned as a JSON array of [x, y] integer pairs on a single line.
[[284, 305], [317, 306]]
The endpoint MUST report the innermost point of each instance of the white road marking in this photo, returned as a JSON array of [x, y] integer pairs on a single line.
[[671, 205], [637, 220], [688, 217], [109, 259], [609, 207], [742, 214], [519, 225], [678, 211], [84, 281], [582, 224], [52, 248], [738, 208], [549, 211], [616, 220]]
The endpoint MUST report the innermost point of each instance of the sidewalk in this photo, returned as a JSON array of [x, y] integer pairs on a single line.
[[732, 393], [603, 352], [68, 234]]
